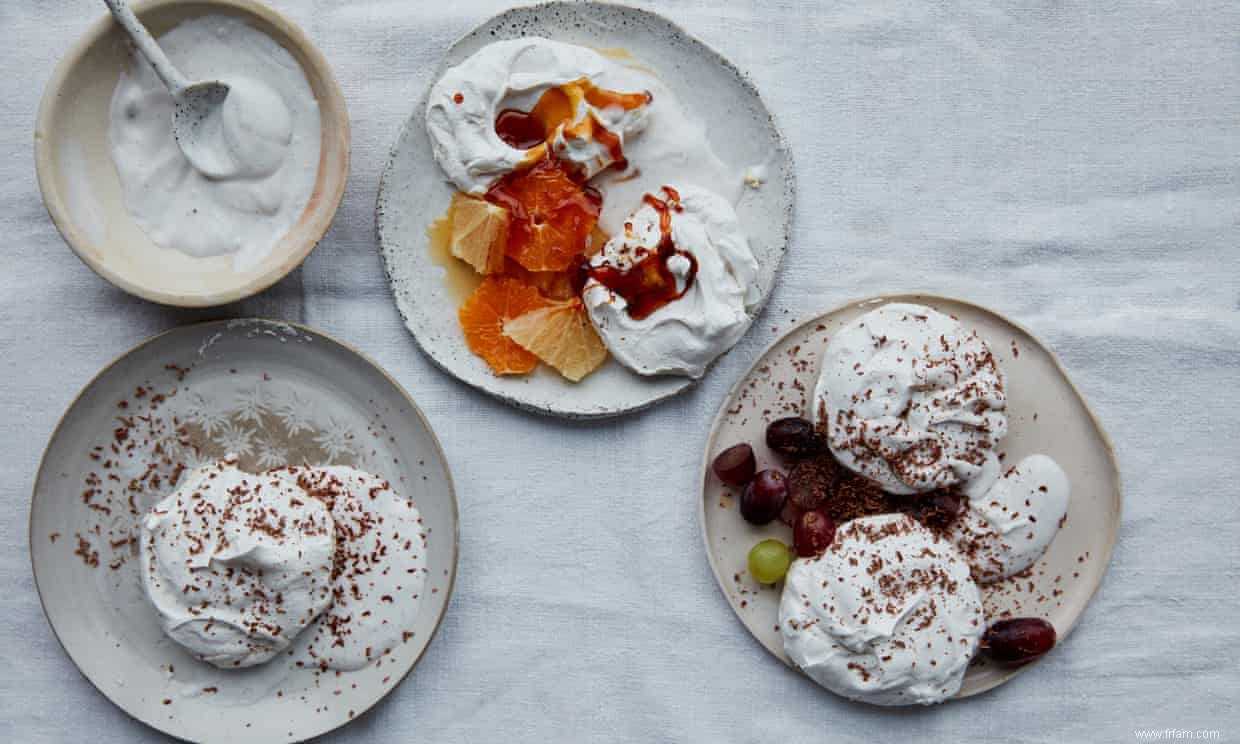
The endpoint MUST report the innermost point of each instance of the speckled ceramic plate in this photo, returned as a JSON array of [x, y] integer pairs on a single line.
[[413, 192], [1047, 414], [273, 393]]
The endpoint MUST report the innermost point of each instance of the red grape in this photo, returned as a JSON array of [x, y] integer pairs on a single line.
[[1018, 640], [790, 513], [937, 509], [764, 497], [950, 504], [735, 465], [794, 437], [813, 533]]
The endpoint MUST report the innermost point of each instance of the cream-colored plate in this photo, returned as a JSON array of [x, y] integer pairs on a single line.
[[83, 194], [1047, 414], [273, 393], [414, 191]]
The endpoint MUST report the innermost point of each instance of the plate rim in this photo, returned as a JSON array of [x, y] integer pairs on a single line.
[[878, 300], [224, 323], [789, 187]]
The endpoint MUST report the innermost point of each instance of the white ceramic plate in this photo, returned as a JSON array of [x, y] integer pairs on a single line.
[[270, 391], [413, 192], [1047, 414]]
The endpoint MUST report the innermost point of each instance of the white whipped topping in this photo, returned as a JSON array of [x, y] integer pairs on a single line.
[[380, 572], [688, 333], [1010, 526], [661, 141], [887, 615], [237, 564], [254, 128], [463, 106], [269, 124], [912, 400]]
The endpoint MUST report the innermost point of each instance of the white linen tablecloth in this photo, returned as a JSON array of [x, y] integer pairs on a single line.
[[1074, 164]]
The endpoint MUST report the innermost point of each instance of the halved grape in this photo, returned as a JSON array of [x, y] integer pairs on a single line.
[[735, 465], [794, 437], [769, 561], [790, 513], [941, 508], [1018, 640], [763, 498], [813, 533], [949, 503]]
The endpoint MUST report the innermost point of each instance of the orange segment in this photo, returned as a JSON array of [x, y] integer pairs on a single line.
[[554, 285], [562, 336], [483, 314], [552, 216], [479, 233]]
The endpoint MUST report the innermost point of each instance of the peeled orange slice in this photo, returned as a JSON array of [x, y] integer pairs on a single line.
[[483, 314], [561, 335], [479, 233], [552, 216], [554, 285]]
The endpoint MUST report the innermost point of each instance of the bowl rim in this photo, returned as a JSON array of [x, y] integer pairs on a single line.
[[414, 408], [877, 300], [318, 215]]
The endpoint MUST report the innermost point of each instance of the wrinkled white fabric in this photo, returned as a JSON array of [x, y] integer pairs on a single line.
[[1075, 165]]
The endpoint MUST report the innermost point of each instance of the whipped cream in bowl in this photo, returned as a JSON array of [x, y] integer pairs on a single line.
[[255, 129], [137, 211], [701, 306], [275, 148]]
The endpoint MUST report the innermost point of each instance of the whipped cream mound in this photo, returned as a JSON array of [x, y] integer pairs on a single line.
[[887, 615], [379, 573], [269, 129], [237, 564], [715, 274], [912, 400], [463, 105], [1010, 526]]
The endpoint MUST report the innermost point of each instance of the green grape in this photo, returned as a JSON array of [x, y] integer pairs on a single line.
[[769, 561]]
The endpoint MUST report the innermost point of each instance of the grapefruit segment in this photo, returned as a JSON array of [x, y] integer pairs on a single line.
[[479, 233], [561, 335]]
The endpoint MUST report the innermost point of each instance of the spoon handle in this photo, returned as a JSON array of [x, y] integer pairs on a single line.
[[142, 39]]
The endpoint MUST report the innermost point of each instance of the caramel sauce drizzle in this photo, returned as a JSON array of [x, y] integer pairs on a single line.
[[534, 130], [649, 284]]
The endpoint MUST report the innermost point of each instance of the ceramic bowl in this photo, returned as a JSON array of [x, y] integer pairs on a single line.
[[83, 193]]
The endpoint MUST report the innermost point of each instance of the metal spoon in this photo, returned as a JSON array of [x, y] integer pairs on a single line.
[[197, 105]]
